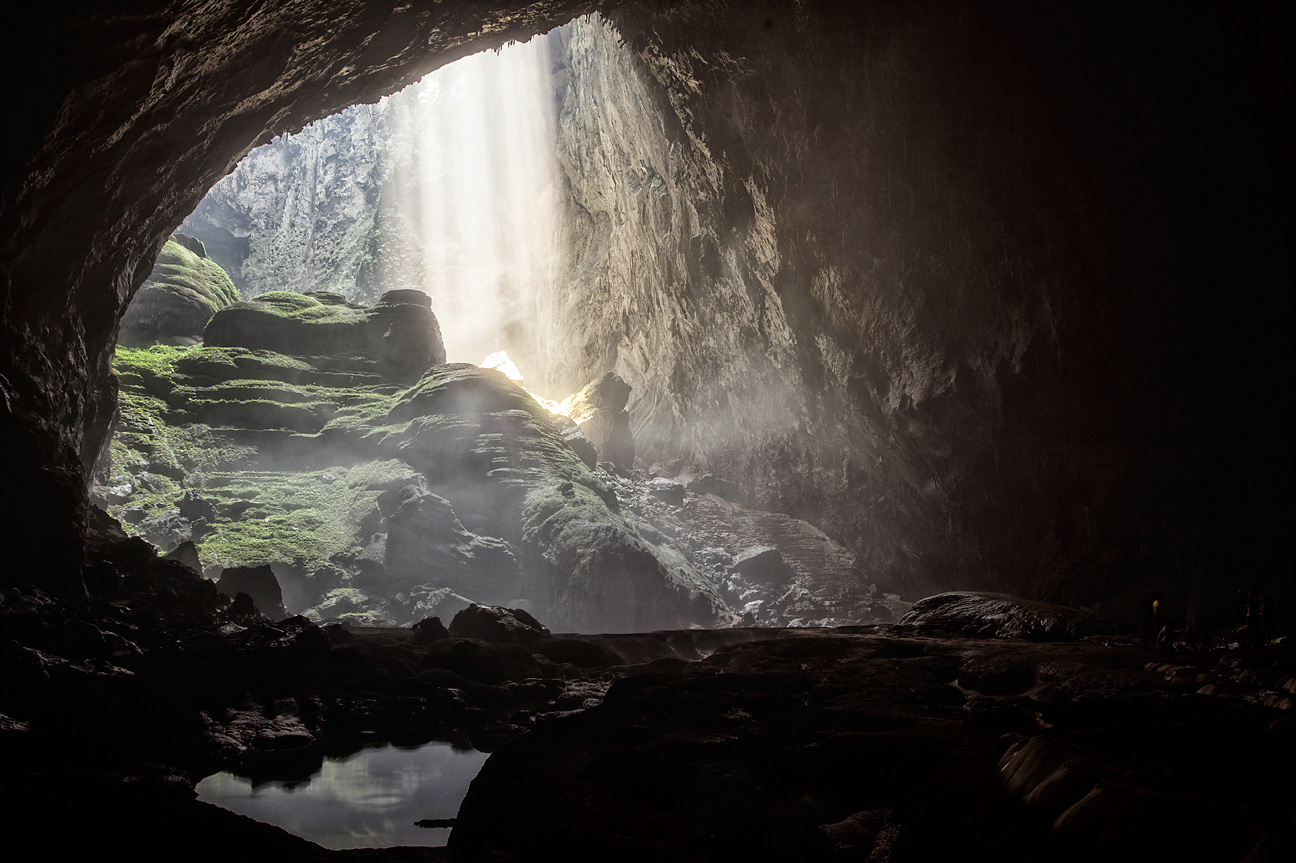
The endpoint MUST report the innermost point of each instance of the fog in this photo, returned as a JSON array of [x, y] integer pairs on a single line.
[[481, 188]]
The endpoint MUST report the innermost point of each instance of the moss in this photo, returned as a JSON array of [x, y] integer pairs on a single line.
[[316, 308], [179, 270], [300, 518]]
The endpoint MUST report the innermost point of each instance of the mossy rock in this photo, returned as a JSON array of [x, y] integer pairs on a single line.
[[399, 332], [178, 298], [466, 390]]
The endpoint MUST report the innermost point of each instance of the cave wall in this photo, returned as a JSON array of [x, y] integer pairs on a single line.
[[962, 285], [986, 292]]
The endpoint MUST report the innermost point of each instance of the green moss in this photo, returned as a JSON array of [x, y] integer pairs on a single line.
[[316, 308], [294, 517], [180, 271]]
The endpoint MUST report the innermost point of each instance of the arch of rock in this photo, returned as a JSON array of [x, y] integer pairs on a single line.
[[997, 283]]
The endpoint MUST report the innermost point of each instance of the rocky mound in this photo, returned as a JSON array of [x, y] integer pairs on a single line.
[[996, 615], [399, 331], [372, 502], [179, 297]]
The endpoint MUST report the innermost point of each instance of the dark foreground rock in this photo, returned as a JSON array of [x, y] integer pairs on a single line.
[[865, 743], [259, 583], [493, 623], [823, 745], [997, 615]]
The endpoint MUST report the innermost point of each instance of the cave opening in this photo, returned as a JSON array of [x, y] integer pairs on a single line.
[[517, 194], [943, 279]]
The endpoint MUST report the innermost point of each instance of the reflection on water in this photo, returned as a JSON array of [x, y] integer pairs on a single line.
[[367, 800]]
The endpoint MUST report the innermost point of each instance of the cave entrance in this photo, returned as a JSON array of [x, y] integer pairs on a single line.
[[452, 186], [458, 187]]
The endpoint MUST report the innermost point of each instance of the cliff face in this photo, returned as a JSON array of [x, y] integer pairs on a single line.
[[300, 213], [977, 291], [927, 277]]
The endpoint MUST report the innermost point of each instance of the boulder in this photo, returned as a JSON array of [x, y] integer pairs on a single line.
[[609, 432], [667, 490], [608, 392], [187, 554], [497, 624], [428, 630], [709, 483], [600, 410], [179, 297], [997, 615], [399, 331], [259, 583]]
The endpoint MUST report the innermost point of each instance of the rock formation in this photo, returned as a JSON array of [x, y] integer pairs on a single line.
[[946, 284], [290, 439], [178, 298], [600, 411]]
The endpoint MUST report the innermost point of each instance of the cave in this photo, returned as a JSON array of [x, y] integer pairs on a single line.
[[989, 294]]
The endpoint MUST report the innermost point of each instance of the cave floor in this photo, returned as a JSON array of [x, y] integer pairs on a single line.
[[861, 743]]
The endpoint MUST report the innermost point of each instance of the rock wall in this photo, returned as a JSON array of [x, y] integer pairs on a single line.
[[986, 292], [944, 280]]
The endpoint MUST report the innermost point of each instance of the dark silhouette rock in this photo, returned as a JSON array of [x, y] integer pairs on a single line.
[[996, 615], [580, 652], [481, 662], [429, 629], [498, 624], [187, 554], [259, 583]]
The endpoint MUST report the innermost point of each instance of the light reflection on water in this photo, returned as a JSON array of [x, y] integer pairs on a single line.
[[370, 799]]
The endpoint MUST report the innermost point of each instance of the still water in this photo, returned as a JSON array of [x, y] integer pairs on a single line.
[[370, 799]]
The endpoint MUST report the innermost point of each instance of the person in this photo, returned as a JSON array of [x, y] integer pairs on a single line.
[[1158, 618], [1255, 627]]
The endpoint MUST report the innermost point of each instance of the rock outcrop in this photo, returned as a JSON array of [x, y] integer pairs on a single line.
[[995, 615], [378, 502], [600, 411], [259, 584], [178, 298], [399, 331]]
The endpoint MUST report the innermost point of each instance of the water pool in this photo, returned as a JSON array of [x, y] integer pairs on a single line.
[[369, 799]]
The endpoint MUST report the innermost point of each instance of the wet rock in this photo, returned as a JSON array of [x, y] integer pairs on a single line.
[[994, 615], [259, 583], [498, 624]]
